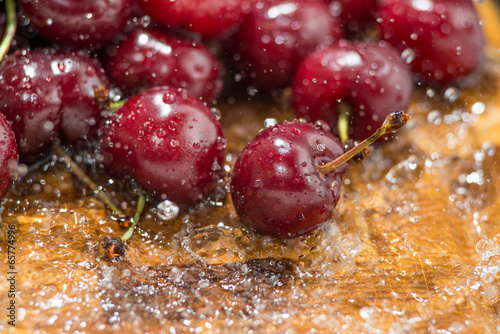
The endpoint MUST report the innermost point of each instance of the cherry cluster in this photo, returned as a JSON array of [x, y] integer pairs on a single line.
[[351, 66]]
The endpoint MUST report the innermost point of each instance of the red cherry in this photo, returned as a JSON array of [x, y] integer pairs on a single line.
[[44, 92], [277, 34], [441, 38], [151, 57], [354, 14], [86, 23], [276, 186], [286, 182], [370, 77], [8, 156], [170, 143], [207, 17]]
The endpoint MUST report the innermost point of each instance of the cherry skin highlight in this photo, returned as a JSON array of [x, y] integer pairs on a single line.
[[370, 78], [8, 156], [152, 57], [45, 92], [209, 18], [85, 23], [276, 186], [443, 39], [170, 143], [276, 35]]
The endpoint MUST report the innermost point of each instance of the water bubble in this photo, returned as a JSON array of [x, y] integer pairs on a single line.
[[268, 122], [216, 113], [48, 126], [252, 91], [145, 21], [408, 55], [168, 98], [451, 94], [167, 210], [322, 125], [434, 117], [478, 108]]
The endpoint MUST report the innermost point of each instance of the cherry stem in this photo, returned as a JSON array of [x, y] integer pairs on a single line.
[[141, 202], [116, 105], [343, 122], [91, 184], [392, 123], [10, 29], [102, 96]]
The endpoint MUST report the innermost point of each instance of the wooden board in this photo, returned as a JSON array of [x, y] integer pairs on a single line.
[[414, 245]]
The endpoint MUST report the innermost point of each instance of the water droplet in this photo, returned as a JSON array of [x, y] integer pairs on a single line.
[[168, 98], [48, 126], [145, 21], [167, 210], [322, 125], [408, 55], [268, 122], [321, 147], [451, 94], [216, 113]]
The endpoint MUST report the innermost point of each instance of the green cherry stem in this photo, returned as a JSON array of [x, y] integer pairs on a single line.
[[10, 30], [91, 184], [343, 122], [392, 123], [116, 105], [141, 202]]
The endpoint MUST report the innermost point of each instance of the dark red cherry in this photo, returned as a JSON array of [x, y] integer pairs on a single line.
[[152, 57], [354, 14], [44, 92], [371, 78], [170, 143], [8, 156], [275, 35], [78, 76], [30, 98], [441, 38], [207, 17], [286, 182], [85, 23], [276, 186]]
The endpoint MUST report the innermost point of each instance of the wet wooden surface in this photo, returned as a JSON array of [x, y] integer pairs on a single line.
[[414, 245]]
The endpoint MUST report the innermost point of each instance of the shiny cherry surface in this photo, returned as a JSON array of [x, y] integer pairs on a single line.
[[276, 186], [170, 143], [370, 77], [44, 92], [8, 156], [152, 57], [277, 34], [210, 18], [85, 23], [442, 38]]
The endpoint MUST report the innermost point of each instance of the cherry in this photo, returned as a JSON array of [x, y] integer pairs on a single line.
[[286, 181], [89, 23], [207, 17], [354, 14], [45, 92], [275, 35], [442, 38], [8, 156], [170, 143], [151, 57], [369, 77]]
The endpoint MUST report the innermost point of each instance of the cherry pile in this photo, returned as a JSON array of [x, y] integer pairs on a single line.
[[351, 67]]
